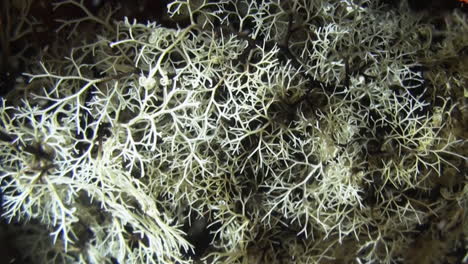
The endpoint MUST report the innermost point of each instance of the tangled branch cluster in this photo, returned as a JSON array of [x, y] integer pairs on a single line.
[[277, 131]]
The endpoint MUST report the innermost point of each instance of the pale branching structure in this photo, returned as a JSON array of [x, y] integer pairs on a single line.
[[261, 132]]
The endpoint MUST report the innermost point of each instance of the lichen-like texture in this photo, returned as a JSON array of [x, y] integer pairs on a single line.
[[306, 131]]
